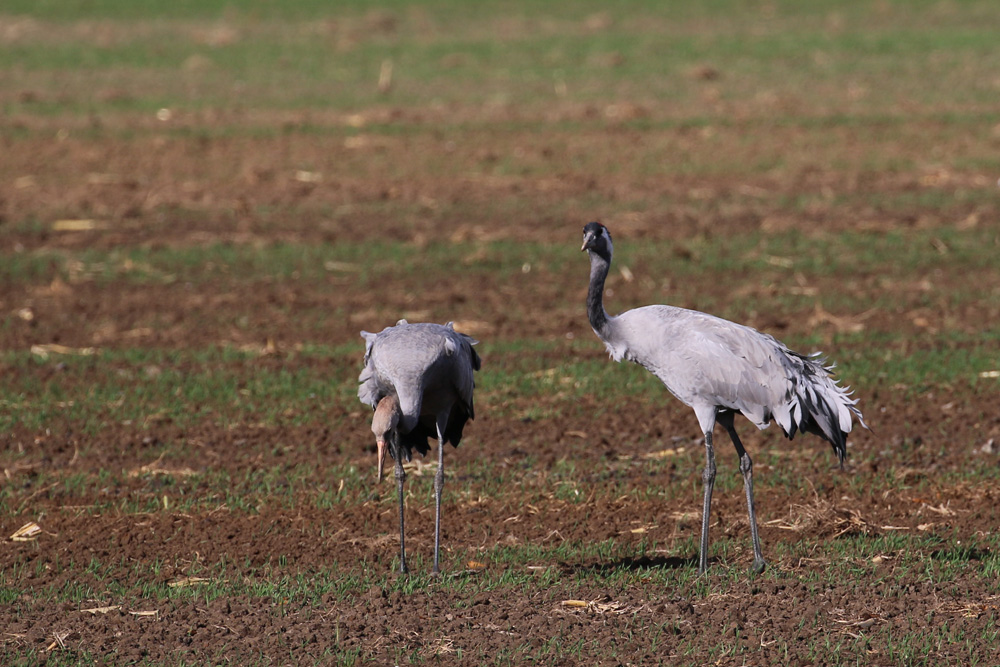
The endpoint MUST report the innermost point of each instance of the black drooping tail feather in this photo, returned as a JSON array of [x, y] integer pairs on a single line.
[[425, 431], [819, 405]]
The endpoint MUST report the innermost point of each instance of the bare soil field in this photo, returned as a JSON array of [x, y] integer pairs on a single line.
[[434, 621], [242, 524]]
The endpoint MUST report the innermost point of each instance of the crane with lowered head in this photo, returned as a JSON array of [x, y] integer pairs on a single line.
[[419, 380]]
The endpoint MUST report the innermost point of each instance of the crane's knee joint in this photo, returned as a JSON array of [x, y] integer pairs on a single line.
[[746, 465], [708, 475]]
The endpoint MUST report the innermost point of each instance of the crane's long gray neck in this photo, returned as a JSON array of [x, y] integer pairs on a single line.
[[599, 267]]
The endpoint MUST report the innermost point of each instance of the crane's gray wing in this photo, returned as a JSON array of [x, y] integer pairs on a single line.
[[461, 362], [418, 362], [369, 393], [709, 362], [465, 362], [429, 367], [762, 378], [386, 367], [705, 359], [369, 342]]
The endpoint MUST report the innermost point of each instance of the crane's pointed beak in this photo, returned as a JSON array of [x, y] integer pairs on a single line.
[[381, 450], [587, 238]]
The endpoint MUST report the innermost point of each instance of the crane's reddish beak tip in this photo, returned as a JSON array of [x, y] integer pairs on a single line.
[[380, 453]]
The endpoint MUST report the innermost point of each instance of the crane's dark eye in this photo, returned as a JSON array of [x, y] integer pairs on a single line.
[[595, 228]]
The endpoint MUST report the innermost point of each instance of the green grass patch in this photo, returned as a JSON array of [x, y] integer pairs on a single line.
[[768, 258], [524, 379], [521, 53]]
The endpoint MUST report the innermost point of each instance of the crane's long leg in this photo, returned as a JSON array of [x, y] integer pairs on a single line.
[[400, 478], [438, 486], [708, 478], [746, 467]]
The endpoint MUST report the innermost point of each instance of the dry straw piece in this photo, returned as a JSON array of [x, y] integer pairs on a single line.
[[188, 581], [26, 533]]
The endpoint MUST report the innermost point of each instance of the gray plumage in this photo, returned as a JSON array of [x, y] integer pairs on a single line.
[[419, 380], [720, 368]]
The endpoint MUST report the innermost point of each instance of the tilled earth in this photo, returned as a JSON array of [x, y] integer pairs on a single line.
[[459, 619]]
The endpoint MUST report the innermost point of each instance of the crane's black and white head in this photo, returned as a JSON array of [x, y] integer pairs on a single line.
[[597, 239]]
